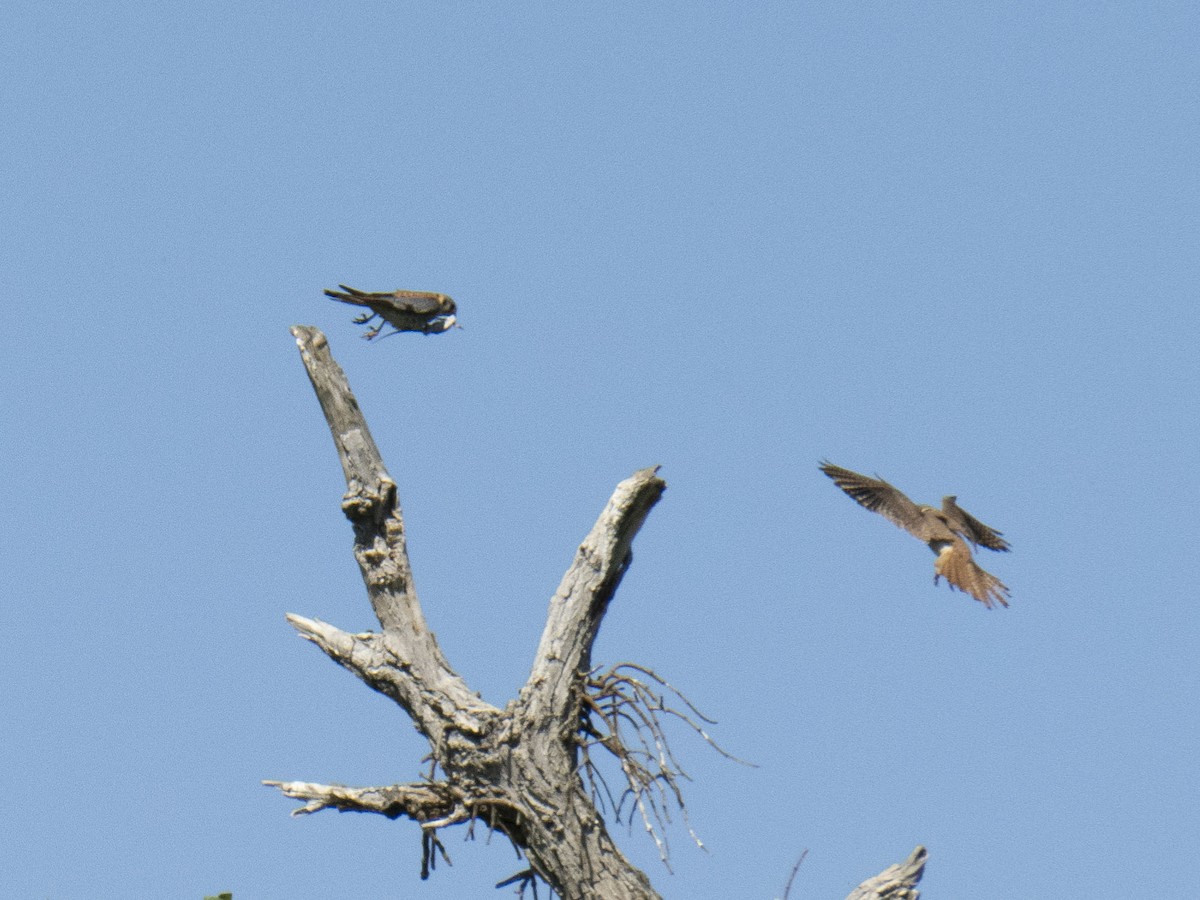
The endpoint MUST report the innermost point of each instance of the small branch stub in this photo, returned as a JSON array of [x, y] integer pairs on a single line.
[[898, 882]]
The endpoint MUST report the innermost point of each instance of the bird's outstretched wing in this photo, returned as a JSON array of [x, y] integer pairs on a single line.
[[971, 528], [422, 311], [890, 502]]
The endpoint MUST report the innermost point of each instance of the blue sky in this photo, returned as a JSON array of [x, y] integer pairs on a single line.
[[952, 245]]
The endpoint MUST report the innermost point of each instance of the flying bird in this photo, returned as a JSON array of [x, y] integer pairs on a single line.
[[946, 531], [420, 311]]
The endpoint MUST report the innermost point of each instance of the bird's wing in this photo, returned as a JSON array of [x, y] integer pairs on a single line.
[[422, 303], [971, 528], [955, 563], [878, 496], [419, 303]]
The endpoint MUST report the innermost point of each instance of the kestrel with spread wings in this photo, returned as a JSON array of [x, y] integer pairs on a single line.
[[420, 311], [946, 531]]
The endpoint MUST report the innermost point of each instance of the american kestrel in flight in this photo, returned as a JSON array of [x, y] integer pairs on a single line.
[[946, 531]]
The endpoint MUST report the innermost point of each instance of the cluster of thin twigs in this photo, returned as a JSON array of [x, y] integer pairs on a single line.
[[622, 710]]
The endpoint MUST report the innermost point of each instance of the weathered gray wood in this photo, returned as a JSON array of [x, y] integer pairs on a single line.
[[405, 662], [898, 882], [370, 502], [582, 598]]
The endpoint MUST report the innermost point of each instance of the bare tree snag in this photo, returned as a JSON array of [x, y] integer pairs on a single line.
[[525, 770], [512, 770]]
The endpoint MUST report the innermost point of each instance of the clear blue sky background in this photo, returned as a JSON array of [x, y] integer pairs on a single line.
[[955, 244]]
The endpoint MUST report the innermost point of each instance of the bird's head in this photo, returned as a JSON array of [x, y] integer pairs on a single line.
[[440, 324]]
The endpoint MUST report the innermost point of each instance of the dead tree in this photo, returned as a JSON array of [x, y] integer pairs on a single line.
[[525, 771]]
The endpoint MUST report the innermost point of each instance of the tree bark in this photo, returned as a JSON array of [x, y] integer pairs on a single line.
[[515, 770]]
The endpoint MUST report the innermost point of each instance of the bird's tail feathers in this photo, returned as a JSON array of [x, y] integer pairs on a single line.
[[955, 563], [358, 298]]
